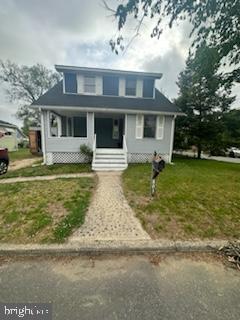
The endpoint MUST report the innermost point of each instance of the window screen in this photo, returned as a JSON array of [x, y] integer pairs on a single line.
[[70, 82], [89, 84], [110, 85], [149, 127], [131, 84], [80, 126]]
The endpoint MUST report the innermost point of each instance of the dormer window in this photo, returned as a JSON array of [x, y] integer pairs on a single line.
[[70, 82], [89, 84], [131, 86]]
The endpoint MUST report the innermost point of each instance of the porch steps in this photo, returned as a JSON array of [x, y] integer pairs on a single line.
[[109, 160]]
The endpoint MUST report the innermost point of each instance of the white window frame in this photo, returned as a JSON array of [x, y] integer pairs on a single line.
[[160, 127], [84, 84], [139, 126], [160, 124]]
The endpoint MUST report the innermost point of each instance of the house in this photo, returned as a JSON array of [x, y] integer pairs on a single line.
[[119, 114], [11, 136]]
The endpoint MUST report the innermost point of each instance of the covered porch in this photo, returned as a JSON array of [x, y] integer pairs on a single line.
[[64, 131]]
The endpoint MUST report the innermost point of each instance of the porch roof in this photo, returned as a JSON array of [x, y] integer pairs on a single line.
[[56, 97]]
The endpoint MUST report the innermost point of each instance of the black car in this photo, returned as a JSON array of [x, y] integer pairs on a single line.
[[4, 160]]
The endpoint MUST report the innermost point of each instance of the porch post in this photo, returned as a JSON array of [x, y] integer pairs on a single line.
[[43, 136]]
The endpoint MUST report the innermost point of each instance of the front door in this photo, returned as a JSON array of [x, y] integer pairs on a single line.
[[109, 132]]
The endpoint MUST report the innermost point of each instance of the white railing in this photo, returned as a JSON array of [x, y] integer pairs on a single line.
[[94, 146], [125, 147]]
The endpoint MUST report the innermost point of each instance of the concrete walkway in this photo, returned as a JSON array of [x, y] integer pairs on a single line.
[[109, 216], [42, 178]]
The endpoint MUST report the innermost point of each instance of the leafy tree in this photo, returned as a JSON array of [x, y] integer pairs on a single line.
[[26, 85], [216, 22], [203, 99], [231, 121]]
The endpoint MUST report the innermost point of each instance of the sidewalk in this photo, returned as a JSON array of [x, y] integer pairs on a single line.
[[42, 178]]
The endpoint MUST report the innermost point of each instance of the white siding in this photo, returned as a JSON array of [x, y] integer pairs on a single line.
[[80, 83], [122, 84], [139, 91], [99, 85]]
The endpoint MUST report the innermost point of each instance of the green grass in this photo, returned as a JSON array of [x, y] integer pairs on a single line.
[[20, 154], [43, 212], [43, 170], [195, 199]]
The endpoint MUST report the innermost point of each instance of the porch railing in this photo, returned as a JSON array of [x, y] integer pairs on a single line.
[[125, 147]]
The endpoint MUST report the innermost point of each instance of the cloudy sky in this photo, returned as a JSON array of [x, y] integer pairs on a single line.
[[77, 32]]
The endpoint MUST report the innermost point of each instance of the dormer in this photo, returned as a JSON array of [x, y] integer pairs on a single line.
[[104, 82]]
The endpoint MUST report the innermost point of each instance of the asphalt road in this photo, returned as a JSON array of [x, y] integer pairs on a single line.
[[125, 287]]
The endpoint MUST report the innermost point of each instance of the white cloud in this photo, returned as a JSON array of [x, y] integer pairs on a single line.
[[77, 32]]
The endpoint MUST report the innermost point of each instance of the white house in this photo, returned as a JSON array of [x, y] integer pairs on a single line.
[[120, 115]]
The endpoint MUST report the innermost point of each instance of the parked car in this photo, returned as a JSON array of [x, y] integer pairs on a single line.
[[234, 152], [4, 160]]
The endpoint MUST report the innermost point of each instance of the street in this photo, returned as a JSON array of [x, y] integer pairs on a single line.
[[137, 287]]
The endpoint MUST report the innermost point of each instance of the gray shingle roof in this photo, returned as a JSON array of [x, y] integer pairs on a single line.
[[56, 97]]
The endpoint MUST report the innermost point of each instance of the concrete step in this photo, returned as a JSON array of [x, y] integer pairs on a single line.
[[109, 151], [109, 160], [110, 156], [108, 167]]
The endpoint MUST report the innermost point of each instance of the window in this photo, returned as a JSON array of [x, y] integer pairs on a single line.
[[115, 132], [110, 85], [89, 84], [80, 126], [148, 85], [70, 82], [69, 127], [54, 125], [131, 85], [149, 127], [64, 126]]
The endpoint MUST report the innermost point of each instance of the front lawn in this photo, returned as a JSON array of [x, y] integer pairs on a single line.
[[43, 170], [20, 154], [195, 199], [43, 211]]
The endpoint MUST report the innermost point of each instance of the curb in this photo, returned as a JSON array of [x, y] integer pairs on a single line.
[[112, 247]]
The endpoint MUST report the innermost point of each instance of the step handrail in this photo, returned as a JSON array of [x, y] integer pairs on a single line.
[[94, 146], [125, 147]]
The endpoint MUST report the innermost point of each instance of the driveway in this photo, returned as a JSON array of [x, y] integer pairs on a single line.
[[109, 216], [125, 288]]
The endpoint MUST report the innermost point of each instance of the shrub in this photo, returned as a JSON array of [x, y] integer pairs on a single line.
[[87, 152]]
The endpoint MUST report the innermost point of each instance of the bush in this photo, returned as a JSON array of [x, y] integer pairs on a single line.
[[87, 152]]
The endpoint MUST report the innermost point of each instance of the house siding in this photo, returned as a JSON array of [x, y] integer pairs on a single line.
[[66, 149], [141, 150]]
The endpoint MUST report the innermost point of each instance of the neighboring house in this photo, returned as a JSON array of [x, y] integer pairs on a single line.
[[120, 115], [11, 136]]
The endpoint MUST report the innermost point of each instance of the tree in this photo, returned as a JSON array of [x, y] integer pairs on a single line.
[[26, 85], [231, 121], [216, 22], [203, 99]]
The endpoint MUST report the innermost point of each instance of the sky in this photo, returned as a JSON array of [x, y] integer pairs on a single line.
[[77, 32]]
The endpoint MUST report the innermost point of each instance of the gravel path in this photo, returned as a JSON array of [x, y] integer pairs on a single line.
[[109, 216], [41, 178]]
